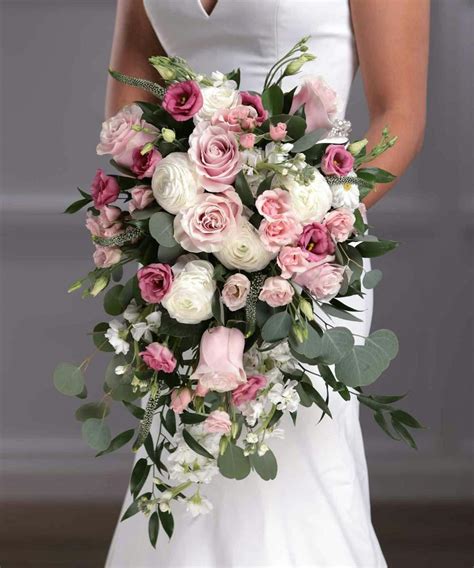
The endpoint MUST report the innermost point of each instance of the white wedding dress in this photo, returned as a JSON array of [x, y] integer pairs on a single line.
[[316, 513]]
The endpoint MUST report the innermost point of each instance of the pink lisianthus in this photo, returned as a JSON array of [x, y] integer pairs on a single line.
[[105, 257], [143, 165], [107, 224], [337, 161], [130, 158], [218, 422], [220, 366], [247, 140], [279, 232], [256, 102], [142, 196], [248, 391], [118, 130], [317, 240], [276, 292], [236, 119], [235, 291], [293, 260], [159, 358], [340, 223], [320, 103], [273, 203], [215, 153], [180, 399], [155, 281], [204, 226], [323, 281], [278, 131], [104, 189], [183, 100]]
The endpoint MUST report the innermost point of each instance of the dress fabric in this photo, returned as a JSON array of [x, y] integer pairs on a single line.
[[316, 513]]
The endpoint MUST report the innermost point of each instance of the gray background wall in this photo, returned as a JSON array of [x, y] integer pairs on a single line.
[[54, 57]]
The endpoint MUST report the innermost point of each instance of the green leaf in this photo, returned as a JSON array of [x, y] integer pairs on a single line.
[[277, 327], [196, 446], [311, 346], [403, 433], [372, 278], [307, 141], [233, 463], [111, 378], [266, 466], [118, 442], [170, 326], [96, 433], [170, 422], [353, 259], [383, 342], [192, 418], [134, 410], [388, 399], [272, 99], [133, 509], [371, 249], [77, 205], [99, 339], [68, 379], [243, 190], [265, 184], [405, 418], [334, 312], [153, 527], [161, 229], [376, 175], [131, 291], [167, 522], [295, 125], [314, 395], [139, 476], [169, 254], [335, 344], [113, 301], [382, 422], [92, 410]]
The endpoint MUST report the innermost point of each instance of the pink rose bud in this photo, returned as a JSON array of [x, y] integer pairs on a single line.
[[247, 141], [104, 189], [248, 391], [255, 101], [154, 281], [105, 257], [340, 223], [276, 292], [235, 291], [142, 196], [337, 161], [323, 281], [218, 422], [183, 100], [293, 260], [278, 131], [317, 240], [180, 399], [159, 358]]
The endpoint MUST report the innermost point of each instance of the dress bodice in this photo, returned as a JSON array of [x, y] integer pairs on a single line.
[[253, 34]]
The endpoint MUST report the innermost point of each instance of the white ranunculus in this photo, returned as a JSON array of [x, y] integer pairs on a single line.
[[190, 298], [175, 182], [244, 250], [217, 98], [309, 202], [346, 194]]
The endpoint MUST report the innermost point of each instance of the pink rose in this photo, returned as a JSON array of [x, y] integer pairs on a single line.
[[104, 189], [105, 257], [279, 232], [220, 365], [247, 140], [155, 282], [276, 292], [293, 260], [159, 358], [142, 196], [317, 240], [337, 161], [200, 390], [236, 119], [218, 422], [322, 281], [183, 100], [143, 165], [256, 102], [215, 153], [320, 103], [235, 291], [278, 131], [180, 399], [204, 226], [117, 131], [340, 223], [107, 224], [248, 391], [273, 203]]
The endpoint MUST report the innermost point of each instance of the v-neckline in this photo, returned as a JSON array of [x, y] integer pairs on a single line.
[[208, 15]]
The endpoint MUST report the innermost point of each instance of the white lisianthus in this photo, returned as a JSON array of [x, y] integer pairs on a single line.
[[346, 194], [146, 328], [190, 298], [116, 334], [312, 201], [244, 250], [284, 397], [175, 182], [217, 98], [198, 505]]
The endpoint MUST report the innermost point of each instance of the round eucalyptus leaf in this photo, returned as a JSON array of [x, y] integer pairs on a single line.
[[113, 301], [335, 344], [124, 393], [169, 254], [311, 346], [111, 378], [233, 463], [277, 327], [99, 339], [266, 466], [383, 342], [161, 229], [92, 410], [372, 278], [68, 379], [96, 433]]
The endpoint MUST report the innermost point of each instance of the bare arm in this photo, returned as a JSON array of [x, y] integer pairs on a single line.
[[392, 39], [134, 42]]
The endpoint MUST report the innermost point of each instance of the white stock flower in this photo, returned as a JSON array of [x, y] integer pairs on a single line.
[[217, 98], [284, 397], [277, 433], [132, 312], [144, 329], [190, 298], [175, 182], [252, 411], [312, 201], [244, 250], [346, 194], [198, 505], [116, 334]]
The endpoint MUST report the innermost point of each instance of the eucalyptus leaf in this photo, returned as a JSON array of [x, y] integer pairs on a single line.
[[119, 441], [266, 466], [99, 339], [335, 344], [113, 301], [277, 327], [311, 347], [96, 433], [307, 141], [161, 229], [372, 278], [92, 410], [68, 379], [169, 254], [233, 463]]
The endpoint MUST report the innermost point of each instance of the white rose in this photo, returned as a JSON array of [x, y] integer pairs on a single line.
[[175, 183], [244, 250], [309, 202], [346, 194], [190, 297], [217, 98]]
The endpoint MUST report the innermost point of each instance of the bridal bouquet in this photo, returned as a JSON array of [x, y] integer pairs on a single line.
[[245, 231]]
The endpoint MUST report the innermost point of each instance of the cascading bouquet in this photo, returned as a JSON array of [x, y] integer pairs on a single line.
[[246, 233]]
